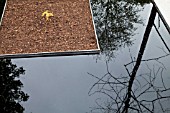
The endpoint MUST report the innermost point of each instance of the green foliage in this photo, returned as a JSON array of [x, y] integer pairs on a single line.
[[10, 88]]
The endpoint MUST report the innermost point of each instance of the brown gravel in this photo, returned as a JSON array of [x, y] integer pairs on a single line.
[[24, 30]]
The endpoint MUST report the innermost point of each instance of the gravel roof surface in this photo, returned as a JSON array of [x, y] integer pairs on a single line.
[[25, 30]]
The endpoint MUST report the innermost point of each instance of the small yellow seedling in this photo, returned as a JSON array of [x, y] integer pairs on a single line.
[[47, 14]]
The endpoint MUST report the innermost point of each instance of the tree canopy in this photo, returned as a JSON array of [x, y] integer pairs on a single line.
[[114, 20], [10, 87]]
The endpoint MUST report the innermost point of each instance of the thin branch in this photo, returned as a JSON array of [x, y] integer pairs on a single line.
[[151, 59]]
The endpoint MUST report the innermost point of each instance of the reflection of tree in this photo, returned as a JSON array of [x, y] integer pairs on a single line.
[[10, 88], [114, 20], [149, 94], [128, 94], [141, 2]]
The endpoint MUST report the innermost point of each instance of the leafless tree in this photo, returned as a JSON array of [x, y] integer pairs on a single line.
[[133, 92], [149, 93]]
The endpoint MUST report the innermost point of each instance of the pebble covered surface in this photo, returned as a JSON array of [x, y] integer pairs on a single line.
[[25, 30]]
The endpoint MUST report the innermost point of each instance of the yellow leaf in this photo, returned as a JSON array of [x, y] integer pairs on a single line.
[[47, 14]]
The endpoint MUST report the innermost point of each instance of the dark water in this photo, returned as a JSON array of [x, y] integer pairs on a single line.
[[99, 83]]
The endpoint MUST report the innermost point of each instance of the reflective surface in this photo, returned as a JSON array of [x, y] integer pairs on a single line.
[[100, 83]]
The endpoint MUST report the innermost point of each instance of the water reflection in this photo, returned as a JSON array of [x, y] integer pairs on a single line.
[[11, 94], [150, 94], [61, 84], [135, 91], [114, 20]]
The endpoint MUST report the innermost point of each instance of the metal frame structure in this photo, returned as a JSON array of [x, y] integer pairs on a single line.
[[161, 16], [164, 22]]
